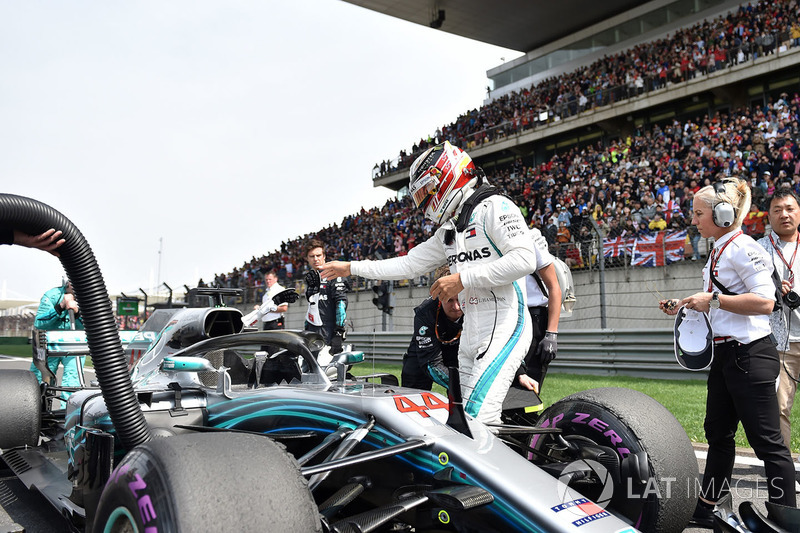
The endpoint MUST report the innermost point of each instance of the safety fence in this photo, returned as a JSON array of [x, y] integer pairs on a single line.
[[599, 352], [656, 250]]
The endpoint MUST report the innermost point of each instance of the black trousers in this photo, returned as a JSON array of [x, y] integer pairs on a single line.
[[273, 324], [535, 368], [741, 387], [414, 374]]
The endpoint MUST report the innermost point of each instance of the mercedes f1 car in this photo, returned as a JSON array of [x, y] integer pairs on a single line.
[[220, 429]]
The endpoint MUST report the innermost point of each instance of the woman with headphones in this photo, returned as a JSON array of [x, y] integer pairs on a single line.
[[738, 294]]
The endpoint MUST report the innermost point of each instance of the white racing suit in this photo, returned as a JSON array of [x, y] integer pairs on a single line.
[[492, 254]]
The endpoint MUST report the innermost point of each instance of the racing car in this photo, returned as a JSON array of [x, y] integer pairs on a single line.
[[202, 436]]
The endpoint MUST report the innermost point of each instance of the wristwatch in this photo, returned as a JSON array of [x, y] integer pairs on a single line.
[[714, 303]]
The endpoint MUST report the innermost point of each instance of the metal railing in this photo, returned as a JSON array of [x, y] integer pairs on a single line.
[[253, 295], [645, 353]]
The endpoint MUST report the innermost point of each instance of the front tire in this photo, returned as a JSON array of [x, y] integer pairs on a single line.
[[656, 469], [207, 482]]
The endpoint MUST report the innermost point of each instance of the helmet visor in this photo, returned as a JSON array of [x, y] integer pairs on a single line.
[[424, 187]]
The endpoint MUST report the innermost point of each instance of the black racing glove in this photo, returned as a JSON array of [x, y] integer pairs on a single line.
[[336, 341], [312, 283], [289, 296], [547, 348]]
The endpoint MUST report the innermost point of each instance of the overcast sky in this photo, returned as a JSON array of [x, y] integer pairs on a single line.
[[210, 130]]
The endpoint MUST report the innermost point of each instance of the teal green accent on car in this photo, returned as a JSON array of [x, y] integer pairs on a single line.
[[117, 514]]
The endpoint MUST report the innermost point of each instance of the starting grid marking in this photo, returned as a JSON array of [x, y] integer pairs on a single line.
[[12, 359], [744, 460]]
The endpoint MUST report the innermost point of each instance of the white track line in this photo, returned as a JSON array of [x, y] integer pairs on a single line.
[[12, 359]]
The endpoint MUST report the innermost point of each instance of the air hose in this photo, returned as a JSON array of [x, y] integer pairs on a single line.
[[33, 217]]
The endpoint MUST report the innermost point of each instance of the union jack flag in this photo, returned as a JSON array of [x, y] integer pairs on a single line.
[[617, 247], [660, 249], [673, 207]]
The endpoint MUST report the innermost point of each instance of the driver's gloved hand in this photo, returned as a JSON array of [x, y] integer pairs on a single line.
[[312, 283], [336, 342], [547, 348]]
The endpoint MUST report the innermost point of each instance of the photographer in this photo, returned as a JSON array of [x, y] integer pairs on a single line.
[[782, 243]]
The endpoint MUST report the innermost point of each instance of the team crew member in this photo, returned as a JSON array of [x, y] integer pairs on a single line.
[[47, 241], [434, 344], [738, 293], [782, 244], [53, 314], [487, 244], [273, 317], [544, 306], [327, 299]]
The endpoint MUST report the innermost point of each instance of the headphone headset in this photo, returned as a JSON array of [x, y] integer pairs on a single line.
[[723, 213]]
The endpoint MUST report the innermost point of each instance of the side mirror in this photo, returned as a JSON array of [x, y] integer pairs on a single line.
[[348, 358], [187, 364], [354, 357], [343, 360]]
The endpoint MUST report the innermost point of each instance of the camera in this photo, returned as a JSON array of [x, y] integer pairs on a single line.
[[792, 300]]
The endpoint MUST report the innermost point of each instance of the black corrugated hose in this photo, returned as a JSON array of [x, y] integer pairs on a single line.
[[34, 217]]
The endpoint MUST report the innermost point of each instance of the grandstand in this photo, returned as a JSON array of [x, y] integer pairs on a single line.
[[635, 65], [632, 94]]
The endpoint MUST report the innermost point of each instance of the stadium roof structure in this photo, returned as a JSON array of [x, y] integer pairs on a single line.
[[14, 304], [521, 25]]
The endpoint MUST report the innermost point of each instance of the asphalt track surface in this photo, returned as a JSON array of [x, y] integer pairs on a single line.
[[22, 510]]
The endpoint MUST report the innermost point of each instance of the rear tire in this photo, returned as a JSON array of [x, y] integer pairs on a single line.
[[630, 422], [207, 482], [20, 409]]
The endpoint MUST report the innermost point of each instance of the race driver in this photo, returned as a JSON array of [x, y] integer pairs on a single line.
[[486, 242]]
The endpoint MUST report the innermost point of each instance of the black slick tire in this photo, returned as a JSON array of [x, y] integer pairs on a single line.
[[20, 410], [629, 423], [207, 482]]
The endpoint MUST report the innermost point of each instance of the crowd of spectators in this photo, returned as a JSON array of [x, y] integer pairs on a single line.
[[644, 183], [380, 232], [753, 31], [632, 186]]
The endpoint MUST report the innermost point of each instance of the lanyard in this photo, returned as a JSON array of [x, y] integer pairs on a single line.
[[436, 329], [716, 254], [780, 254]]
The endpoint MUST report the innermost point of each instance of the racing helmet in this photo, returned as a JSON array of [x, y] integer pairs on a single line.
[[564, 276], [440, 179]]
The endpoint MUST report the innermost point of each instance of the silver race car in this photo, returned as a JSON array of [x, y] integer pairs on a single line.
[[216, 428]]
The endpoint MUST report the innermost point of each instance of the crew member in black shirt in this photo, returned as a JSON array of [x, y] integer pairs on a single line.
[[434, 344]]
